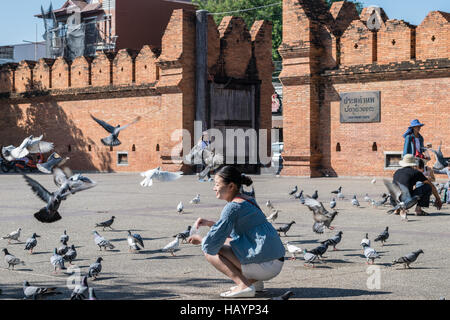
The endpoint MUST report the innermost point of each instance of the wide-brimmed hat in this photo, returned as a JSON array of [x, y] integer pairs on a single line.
[[415, 123], [408, 161]]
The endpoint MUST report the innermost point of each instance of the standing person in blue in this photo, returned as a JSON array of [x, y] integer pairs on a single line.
[[242, 244], [414, 141]]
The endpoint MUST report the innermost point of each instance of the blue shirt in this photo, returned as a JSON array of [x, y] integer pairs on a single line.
[[254, 239]]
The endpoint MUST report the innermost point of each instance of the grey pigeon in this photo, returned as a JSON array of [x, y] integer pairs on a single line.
[[37, 293], [248, 193], [285, 228], [92, 295], [367, 198], [57, 261], [13, 235], [401, 196], [31, 145], [112, 140], [378, 203], [12, 260], [53, 160], [101, 242], [334, 241], [64, 237], [106, 224], [63, 249], [273, 216], [135, 241], [71, 254], [293, 191], [211, 160], [95, 268], [408, 259], [337, 191], [309, 258], [300, 194], [180, 207], [185, 234], [80, 289], [196, 200], [31, 243], [355, 201], [315, 195], [320, 250], [383, 236], [321, 216], [366, 240], [269, 205], [441, 162], [333, 203], [370, 253], [284, 296]]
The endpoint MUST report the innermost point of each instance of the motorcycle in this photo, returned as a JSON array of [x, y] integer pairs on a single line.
[[20, 165]]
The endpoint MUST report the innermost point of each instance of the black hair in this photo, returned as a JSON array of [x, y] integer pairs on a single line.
[[232, 174], [420, 163]]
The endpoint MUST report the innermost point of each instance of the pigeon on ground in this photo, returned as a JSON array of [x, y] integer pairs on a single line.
[[333, 203], [159, 175], [95, 268], [334, 241], [401, 196], [31, 145], [64, 237], [196, 200], [293, 191], [63, 249], [366, 240], [102, 242], [383, 236], [367, 198], [269, 205], [180, 208], [320, 250], [70, 255], [300, 194], [57, 261], [273, 216], [135, 241], [31, 243], [92, 295], [54, 160], [112, 140], [284, 296], [11, 260], [370, 253], [315, 195], [302, 199], [355, 201], [441, 162], [285, 228], [309, 258], [337, 191], [321, 216], [378, 203], [80, 289], [185, 234], [37, 293], [13, 236], [293, 250], [408, 259], [106, 224], [172, 246]]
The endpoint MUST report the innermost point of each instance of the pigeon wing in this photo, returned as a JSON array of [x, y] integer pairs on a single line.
[[38, 189], [105, 125], [59, 177], [127, 125], [40, 147], [393, 189], [165, 176], [405, 195]]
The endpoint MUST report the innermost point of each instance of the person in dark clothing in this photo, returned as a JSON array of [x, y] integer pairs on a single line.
[[408, 176]]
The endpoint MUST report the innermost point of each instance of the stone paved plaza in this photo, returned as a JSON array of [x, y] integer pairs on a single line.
[[151, 212]]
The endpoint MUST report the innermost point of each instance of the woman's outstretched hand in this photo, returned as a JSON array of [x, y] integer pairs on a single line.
[[203, 222], [195, 239]]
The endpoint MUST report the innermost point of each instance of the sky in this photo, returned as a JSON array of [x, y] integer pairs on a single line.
[[17, 21]]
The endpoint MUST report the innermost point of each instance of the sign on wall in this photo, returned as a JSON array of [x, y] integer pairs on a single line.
[[360, 106]]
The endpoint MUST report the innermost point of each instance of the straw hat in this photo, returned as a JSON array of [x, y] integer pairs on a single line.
[[408, 161]]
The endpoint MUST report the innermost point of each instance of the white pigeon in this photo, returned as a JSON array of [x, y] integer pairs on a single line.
[[180, 207], [340, 196], [171, 247], [370, 253], [57, 261], [102, 242], [31, 145], [13, 236], [158, 175], [273, 216], [355, 201], [366, 240], [196, 200], [309, 258], [374, 181], [367, 198], [293, 250]]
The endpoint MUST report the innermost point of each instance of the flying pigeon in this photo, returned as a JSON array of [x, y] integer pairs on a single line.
[[63, 249], [185, 234], [401, 196], [196, 200], [172, 246], [57, 261], [159, 175], [64, 237], [95, 268], [31, 243], [12, 260], [211, 160], [334, 241], [293, 191], [408, 259], [441, 162], [80, 289], [383, 236], [321, 216], [106, 224], [293, 250], [273, 216], [373, 181], [333, 203], [269, 205], [180, 207], [284, 296], [320, 250], [369, 253], [355, 201], [54, 160], [70, 255], [31, 145], [366, 240], [13, 235], [309, 258], [315, 195], [285, 228], [37, 293], [135, 241], [92, 295], [112, 140], [102, 242]]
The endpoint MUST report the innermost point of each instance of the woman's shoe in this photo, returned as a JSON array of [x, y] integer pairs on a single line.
[[259, 286], [248, 292]]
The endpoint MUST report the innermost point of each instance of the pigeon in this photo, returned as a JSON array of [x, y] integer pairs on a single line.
[[376, 204], [12, 260], [373, 181], [112, 140], [6, 153], [293, 191], [355, 201], [159, 175], [31, 243], [401, 196], [185, 234], [309, 258], [315, 195], [321, 216], [273, 216], [180, 207], [102, 242], [334, 241], [367, 198], [37, 293], [248, 193], [63, 249], [135, 241], [205, 156], [92, 295], [320, 250], [172, 246], [285, 228], [284, 296], [95, 268], [302, 199], [369, 253], [13, 235], [300, 195], [64, 237], [70, 255], [106, 224], [383, 236], [31, 145], [337, 191], [293, 250], [80, 289], [269, 205], [408, 259], [196, 200], [441, 162], [333, 203], [57, 261], [54, 160], [366, 240], [340, 196]]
